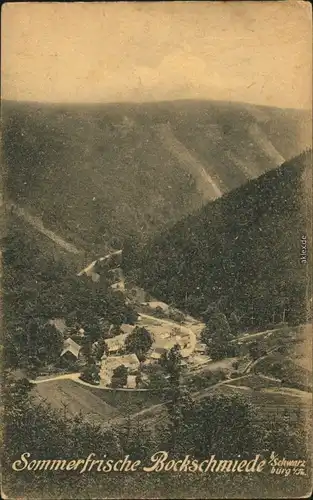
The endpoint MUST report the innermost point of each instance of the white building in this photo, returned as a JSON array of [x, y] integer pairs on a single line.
[[70, 347], [117, 343], [110, 363]]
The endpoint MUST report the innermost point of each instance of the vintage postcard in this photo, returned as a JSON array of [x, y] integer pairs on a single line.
[[156, 246]]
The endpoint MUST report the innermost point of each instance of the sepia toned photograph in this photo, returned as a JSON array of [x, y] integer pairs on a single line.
[[156, 250]]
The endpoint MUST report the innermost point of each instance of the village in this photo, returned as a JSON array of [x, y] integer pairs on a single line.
[[130, 354], [167, 327]]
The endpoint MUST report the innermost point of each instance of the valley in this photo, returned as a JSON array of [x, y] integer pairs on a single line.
[[154, 295], [101, 175], [168, 326]]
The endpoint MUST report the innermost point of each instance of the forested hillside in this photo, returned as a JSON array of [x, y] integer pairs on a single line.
[[99, 173], [241, 252]]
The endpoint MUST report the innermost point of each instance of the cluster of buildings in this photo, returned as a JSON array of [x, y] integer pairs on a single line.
[[165, 325], [165, 335]]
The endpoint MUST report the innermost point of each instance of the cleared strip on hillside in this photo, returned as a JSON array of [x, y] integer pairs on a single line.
[[265, 145], [233, 158], [250, 171], [38, 225], [209, 188]]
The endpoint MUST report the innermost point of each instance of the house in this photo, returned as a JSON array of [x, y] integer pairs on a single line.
[[138, 294], [160, 347], [89, 271], [200, 348], [70, 349], [157, 352], [109, 364], [127, 329], [93, 270], [129, 360], [59, 324], [116, 274], [117, 343], [156, 304], [131, 382], [118, 286], [165, 344]]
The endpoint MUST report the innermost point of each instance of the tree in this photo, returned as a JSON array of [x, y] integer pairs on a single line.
[[257, 349], [119, 377], [219, 326], [171, 363], [40, 341], [193, 304], [216, 335], [116, 308], [101, 348], [234, 323], [159, 312], [138, 380], [158, 383], [130, 315], [235, 365], [93, 330], [220, 350], [227, 425], [90, 373], [202, 380], [139, 341], [176, 315], [86, 349]]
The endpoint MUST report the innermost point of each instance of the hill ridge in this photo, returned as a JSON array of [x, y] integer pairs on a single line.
[[242, 250], [99, 173]]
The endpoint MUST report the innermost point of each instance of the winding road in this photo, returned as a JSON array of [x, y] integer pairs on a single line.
[[192, 337]]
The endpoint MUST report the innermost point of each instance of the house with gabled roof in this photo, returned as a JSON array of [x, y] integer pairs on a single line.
[[70, 349], [117, 343]]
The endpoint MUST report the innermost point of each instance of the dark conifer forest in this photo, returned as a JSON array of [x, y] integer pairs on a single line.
[[241, 252]]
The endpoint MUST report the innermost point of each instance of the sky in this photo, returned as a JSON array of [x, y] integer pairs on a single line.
[[79, 52]]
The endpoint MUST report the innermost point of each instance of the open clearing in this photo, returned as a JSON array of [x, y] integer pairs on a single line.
[[274, 402], [256, 382], [126, 402], [73, 398], [94, 404]]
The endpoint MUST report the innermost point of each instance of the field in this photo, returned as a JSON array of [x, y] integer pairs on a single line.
[[126, 402], [262, 387], [255, 382], [290, 363], [73, 399], [275, 403], [271, 402], [95, 405]]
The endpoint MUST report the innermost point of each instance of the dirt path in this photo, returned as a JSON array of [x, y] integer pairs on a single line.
[[63, 376], [76, 378], [203, 394], [256, 361]]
